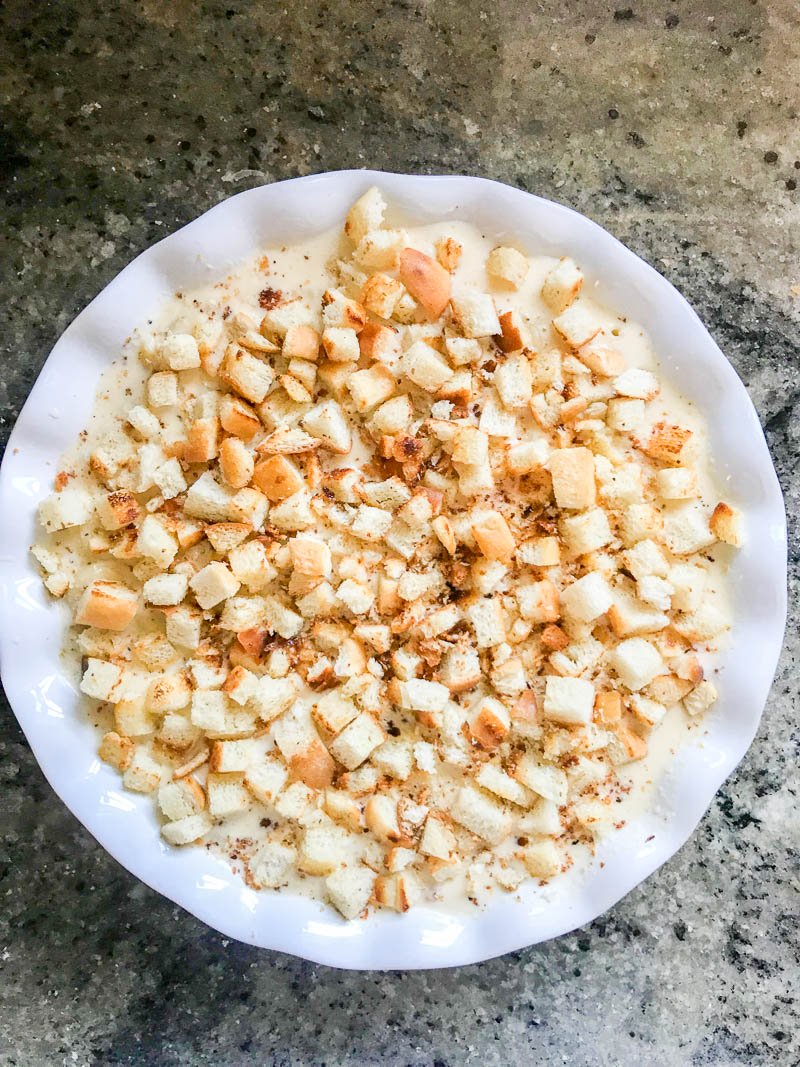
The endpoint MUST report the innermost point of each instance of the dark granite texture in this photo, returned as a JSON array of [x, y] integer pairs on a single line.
[[673, 124]]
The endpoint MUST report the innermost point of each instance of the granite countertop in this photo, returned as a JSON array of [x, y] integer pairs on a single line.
[[675, 126]]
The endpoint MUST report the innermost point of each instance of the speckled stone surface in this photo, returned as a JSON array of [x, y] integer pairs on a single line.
[[673, 124]]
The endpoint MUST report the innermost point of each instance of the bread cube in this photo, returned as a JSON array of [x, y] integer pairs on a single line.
[[245, 374], [438, 840], [426, 280], [179, 351], [187, 831], [118, 509], [213, 584], [425, 367], [365, 215], [577, 325], [636, 662], [326, 422], [357, 740], [208, 500], [625, 414], [350, 889], [586, 599], [481, 815], [144, 774], [538, 602], [65, 509], [269, 866], [181, 799], [162, 389], [265, 780], [493, 536], [489, 723], [572, 470], [586, 532], [568, 701], [341, 344], [106, 605], [487, 620], [686, 528], [165, 590], [542, 859], [601, 357], [183, 627], [637, 383], [238, 418], [726, 524], [227, 795], [562, 285], [508, 266], [495, 780]]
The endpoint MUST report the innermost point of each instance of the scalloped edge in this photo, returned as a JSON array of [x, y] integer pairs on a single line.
[[125, 825]]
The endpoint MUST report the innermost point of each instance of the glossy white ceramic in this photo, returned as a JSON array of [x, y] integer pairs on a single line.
[[31, 625]]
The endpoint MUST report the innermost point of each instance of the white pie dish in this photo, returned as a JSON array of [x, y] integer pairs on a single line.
[[31, 627]]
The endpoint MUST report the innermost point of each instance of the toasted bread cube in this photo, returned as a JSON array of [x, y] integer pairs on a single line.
[[726, 524], [371, 524], [625, 414], [372, 387], [481, 815], [116, 751], [236, 462], [231, 756], [170, 480], [388, 494], [238, 418], [438, 840], [241, 684], [513, 381], [700, 699], [118, 509], [226, 536], [448, 253], [636, 662], [177, 732], [637, 383], [540, 552], [365, 215], [646, 558], [183, 627], [418, 695], [587, 599], [608, 707], [542, 859], [394, 758], [144, 774], [251, 566], [489, 723], [278, 478], [296, 802], [181, 799], [460, 669], [333, 712], [380, 815], [323, 849], [350, 889], [572, 470], [168, 692], [379, 343], [543, 779], [676, 483], [245, 374], [425, 367], [186, 831], [426, 280], [273, 696], [294, 513], [667, 442], [357, 740], [269, 866], [657, 592], [179, 351], [380, 249], [493, 536], [162, 389], [686, 529], [628, 617], [486, 618], [562, 285], [507, 265], [398, 891], [470, 445], [688, 583], [495, 420], [209, 710], [356, 597], [568, 701], [301, 342], [495, 780], [380, 294], [341, 344], [143, 421], [226, 795], [327, 423], [515, 333], [208, 500], [539, 601], [264, 780], [601, 357], [646, 711], [474, 314], [577, 325], [165, 590], [156, 542], [106, 605], [213, 584], [586, 532], [131, 717], [65, 509]]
